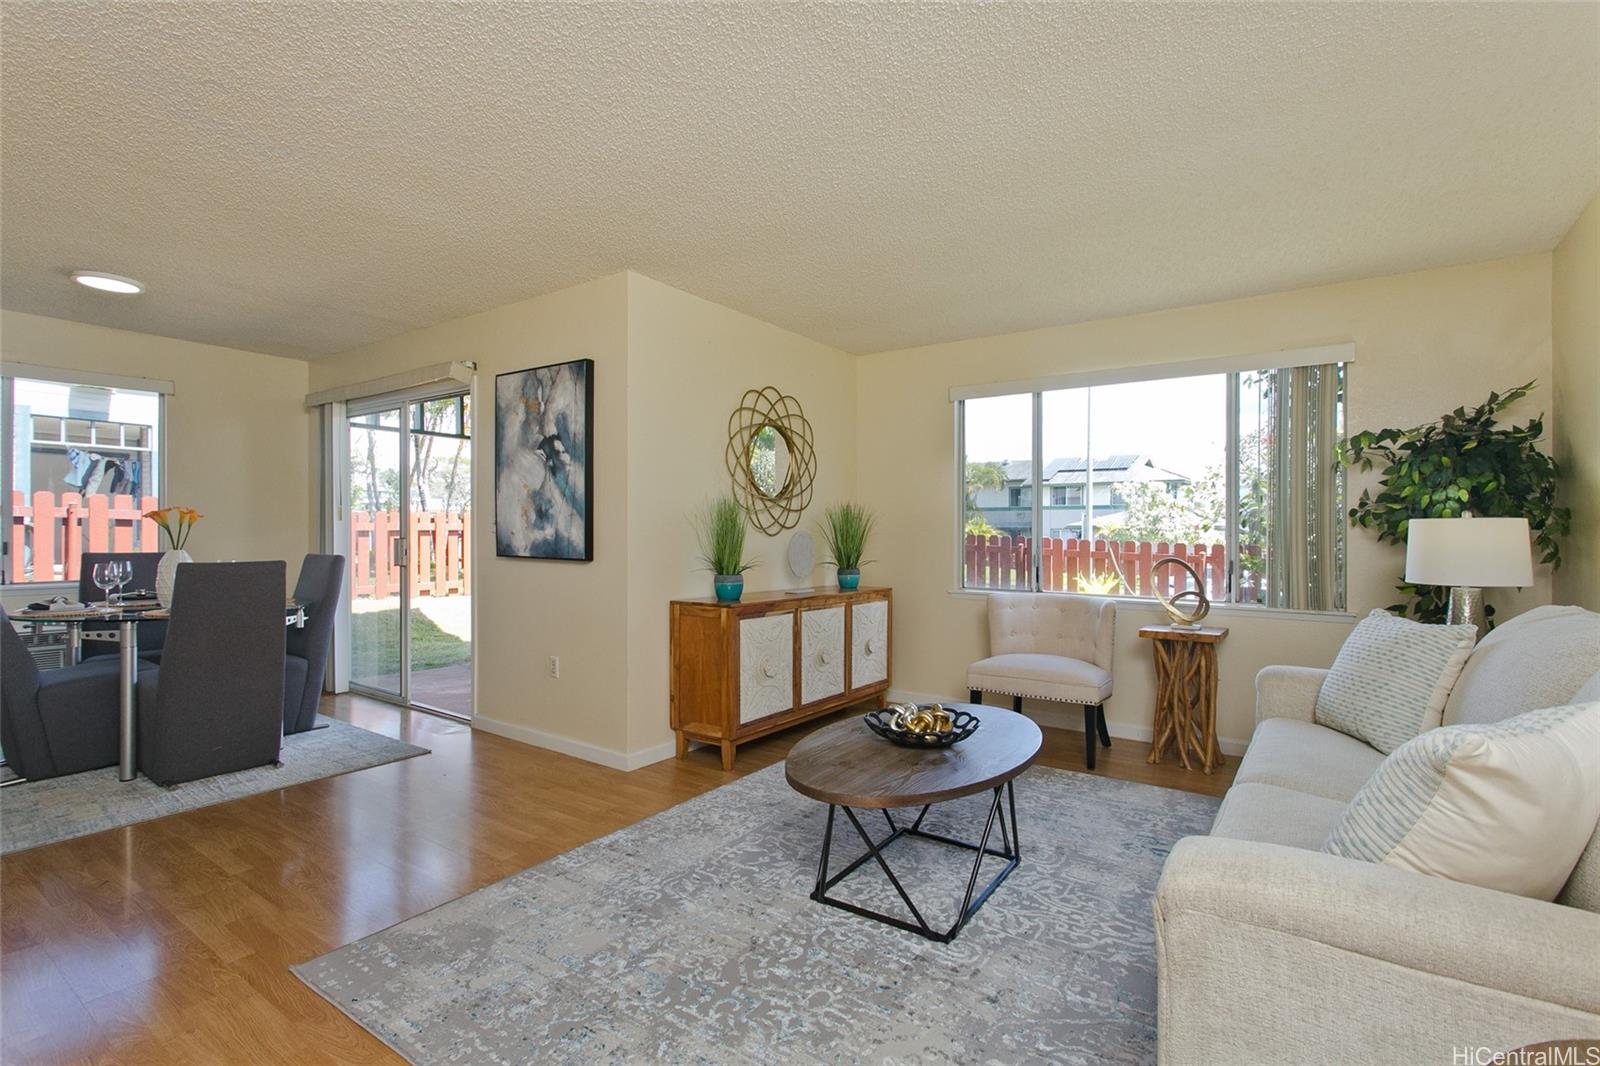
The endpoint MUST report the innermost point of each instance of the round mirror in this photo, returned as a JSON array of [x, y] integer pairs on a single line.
[[769, 461]]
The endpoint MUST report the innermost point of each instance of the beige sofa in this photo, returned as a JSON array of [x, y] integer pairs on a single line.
[[1270, 951]]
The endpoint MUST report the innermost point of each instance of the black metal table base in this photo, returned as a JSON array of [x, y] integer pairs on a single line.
[[1010, 850]]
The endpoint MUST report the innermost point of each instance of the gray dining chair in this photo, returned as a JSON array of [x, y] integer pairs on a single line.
[[152, 634], [55, 722], [215, 704], [320, 585]]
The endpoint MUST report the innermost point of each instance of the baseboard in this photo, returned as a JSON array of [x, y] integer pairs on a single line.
[[1045, 715], [1063, 718], [578, 749], [654, 754]]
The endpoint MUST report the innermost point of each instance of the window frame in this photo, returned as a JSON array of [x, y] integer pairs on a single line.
[[9, 375], [1233, 367]]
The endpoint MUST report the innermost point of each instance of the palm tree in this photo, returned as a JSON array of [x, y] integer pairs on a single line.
[[981, 476]]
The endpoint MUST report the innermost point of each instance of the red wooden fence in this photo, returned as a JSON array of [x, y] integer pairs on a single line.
[[49, 536], [440, 553], [1066, 564]]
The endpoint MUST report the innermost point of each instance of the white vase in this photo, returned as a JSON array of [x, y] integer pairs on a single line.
[[167, 573]]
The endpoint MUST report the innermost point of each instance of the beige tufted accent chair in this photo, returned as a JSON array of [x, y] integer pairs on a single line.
[[1050, 647]]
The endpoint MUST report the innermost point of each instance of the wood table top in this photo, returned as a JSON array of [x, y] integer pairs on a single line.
[[766, 597], [1194, 634], [846, 763]]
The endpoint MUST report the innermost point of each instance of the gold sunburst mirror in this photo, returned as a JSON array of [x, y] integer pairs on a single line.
[[770, 459]]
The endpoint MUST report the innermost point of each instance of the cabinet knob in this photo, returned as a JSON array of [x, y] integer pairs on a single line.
[[824, 658], [870, 647], [768, 670]]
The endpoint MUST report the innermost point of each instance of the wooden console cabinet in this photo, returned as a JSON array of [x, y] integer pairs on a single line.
[[743, 670]]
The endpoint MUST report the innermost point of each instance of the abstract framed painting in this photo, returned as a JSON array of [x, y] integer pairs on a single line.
[[544, 462]]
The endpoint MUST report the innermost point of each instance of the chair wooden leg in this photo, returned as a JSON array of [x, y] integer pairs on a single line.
[[1088, 733], [975, 696], [1016, 704], [1100, 720]]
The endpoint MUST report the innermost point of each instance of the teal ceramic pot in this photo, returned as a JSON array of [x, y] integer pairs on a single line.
[[849, 579], [730, 587]]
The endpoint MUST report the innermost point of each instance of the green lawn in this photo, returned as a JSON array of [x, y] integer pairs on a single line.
[[375, 644]]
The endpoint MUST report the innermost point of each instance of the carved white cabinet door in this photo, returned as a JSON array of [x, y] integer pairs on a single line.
[[869, 643], [766, 666], [821, 653]]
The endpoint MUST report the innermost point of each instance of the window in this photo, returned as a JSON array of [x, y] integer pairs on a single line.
[[84, 466], [1233, 472]]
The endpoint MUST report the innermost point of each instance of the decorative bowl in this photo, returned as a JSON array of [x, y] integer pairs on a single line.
[[951, 726]]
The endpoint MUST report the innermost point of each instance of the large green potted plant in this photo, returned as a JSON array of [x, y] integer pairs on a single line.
[[722, 530], [846, 527], [1463, 462]]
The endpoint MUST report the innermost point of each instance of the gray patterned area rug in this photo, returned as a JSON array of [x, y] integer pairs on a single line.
[[60, 808], [689, 937]]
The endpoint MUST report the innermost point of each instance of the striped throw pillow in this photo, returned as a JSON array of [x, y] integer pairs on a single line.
[[1392, 678], [1508, 806]]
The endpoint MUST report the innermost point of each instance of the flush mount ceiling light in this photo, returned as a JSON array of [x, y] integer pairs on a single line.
[[103, 282]]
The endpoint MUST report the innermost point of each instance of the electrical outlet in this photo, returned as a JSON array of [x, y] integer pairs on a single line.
[[555, 666]]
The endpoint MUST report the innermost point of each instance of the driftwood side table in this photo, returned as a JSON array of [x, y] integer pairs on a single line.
[[1186, 693]]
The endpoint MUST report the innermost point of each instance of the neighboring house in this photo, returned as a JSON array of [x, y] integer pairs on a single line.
[[1067, 482]]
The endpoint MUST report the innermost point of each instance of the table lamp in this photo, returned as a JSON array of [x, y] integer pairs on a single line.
[[1468, 554]]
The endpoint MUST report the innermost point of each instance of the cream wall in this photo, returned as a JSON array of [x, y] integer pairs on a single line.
[[689, 364], [237, 430], [1425, 343], [669, 369], [1575, 311], [527, 610]]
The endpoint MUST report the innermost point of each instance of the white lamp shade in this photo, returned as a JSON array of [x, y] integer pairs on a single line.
[[1474, 552]]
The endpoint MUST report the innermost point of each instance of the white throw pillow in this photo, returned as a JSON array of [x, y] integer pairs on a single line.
[[1391, 679], [1540, 658], [1508, 806]]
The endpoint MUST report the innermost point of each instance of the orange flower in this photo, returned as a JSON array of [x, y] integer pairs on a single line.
[[177, 531]]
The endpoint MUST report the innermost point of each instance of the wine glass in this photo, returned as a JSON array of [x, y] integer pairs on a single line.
[[124, 574], [105, 579]]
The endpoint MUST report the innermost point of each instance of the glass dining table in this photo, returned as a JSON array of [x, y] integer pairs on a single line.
[[126, 617]]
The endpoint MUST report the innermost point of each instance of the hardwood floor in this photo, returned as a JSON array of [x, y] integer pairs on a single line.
[[170, 941]]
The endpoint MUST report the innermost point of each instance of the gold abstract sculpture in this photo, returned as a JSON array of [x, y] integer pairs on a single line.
[[770, 459], [910, 718], [1181, 619]]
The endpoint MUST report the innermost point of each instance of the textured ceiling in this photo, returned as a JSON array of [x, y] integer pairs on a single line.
[[301, 178]]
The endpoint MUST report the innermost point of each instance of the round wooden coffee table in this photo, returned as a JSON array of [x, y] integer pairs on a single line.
[[846, 766]]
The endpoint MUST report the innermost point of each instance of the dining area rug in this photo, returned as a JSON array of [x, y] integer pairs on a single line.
[[690, 937], [35, 813]]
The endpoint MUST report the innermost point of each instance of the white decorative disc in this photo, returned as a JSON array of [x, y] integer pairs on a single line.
[[802, 555]]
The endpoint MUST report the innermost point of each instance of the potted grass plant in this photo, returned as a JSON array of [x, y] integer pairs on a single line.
[[722, 531], [846, 527]]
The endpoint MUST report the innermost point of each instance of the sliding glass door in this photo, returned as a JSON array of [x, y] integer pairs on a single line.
[[378, 598], [409, 484]]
